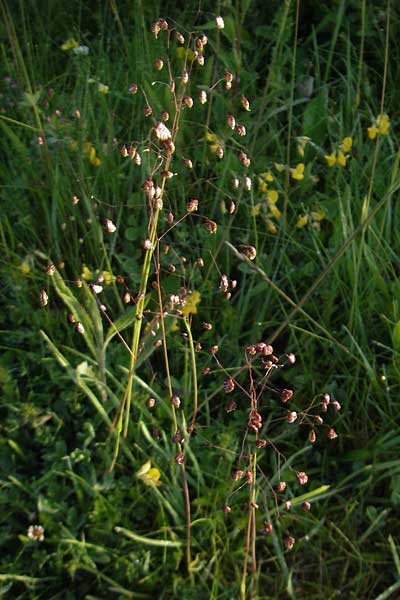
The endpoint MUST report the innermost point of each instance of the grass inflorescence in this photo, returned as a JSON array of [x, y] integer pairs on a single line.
[[201, 326]]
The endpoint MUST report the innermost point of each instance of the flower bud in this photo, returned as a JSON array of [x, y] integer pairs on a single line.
[[188, 101], [291, 358], [241, 130], [185, 76], [202, 96], [312, 436], [150, 403], [289, 542], [80, 328], [332, 434], [336, 405], [281, 487], [267, 529], [306, 506], [286, 395], [162, 132], [192, 205], [249, 251], [227, 509], [188, 163], [214, 349], [158, 64], [219, 152], [292, 416], [219, 22], [245, 103], [231, 121], [247, 183], [51, 269], [211, 226], [200, 60], [230, 406], [147, 111], [229, 386], [133, 88], [175, 401], [302, 477], [235, 183], [44, 299], [124, 151], [179, 459], [109, 226]]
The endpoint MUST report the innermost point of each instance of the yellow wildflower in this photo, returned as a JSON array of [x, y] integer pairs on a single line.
[[87, 274], [275, 212], [211, 137], [255, 210], [381, 126], [372, 132], [93, 159], [302, 142], [279, 167], [298, 172], [108, 277], [25, 268], [341, 159], [263, 186], [318, 215], [302, 220], [69, 44], [149, 475], [383, 123], [102, 88], [272, 196], [346, 144], [330, 159], [271, 227], [267, 176], [190, 306]]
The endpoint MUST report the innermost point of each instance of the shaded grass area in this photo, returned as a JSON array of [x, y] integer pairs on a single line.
[[55, 434]]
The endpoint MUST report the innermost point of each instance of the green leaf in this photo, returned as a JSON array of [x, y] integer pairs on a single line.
[[396, 336]]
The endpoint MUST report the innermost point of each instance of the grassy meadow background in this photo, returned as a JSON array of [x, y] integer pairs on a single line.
[[324, 285]]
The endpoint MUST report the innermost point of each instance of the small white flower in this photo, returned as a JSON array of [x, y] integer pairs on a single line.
[[97, 288], [109, 226], [36, 533], [81, 50], [219, 22], [162, 132]]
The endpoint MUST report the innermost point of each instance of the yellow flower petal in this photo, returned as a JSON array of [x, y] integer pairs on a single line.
[[255, 210], [267, 176], [341, 159], [211, 137], [279, 167], [25, 268], [383, 123], [302, 220], [330, 159], [149, 475], [102, 88], [298, 172], [346, 144], [108, 277], [275, 212], [190, 306], [271, 227], [263, 186], [372, 132], [272, 196], [318, 215], [69, 44], [86, 273]]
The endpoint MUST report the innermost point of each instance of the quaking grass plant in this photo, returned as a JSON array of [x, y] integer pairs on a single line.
[[174, 186]]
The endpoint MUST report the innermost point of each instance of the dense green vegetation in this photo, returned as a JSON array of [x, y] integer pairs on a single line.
[[84, 408]]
